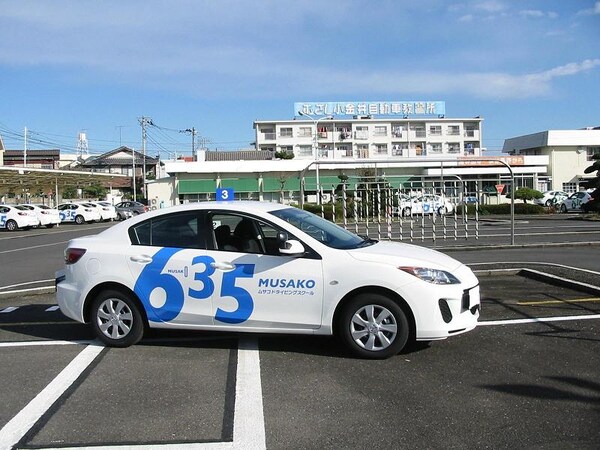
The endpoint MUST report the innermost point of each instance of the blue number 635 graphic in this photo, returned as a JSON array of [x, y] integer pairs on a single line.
[[152, 278]]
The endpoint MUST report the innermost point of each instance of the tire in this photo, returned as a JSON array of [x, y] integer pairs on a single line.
[[441, 211], [116, 319], [373, 326], [11, 225], [79, 220], [548, 202], [563, 208], [50, 225], [406, 212]]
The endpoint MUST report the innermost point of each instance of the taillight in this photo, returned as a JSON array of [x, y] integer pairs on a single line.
[[145, 209], [72, 255]]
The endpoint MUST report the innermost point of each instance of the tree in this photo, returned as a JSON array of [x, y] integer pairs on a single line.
[[284, 155], [525, 193], [593, 183]]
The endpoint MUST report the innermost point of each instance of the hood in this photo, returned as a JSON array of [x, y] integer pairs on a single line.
[[400, 254]]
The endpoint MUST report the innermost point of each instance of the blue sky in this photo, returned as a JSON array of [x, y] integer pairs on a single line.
[[97, 66]]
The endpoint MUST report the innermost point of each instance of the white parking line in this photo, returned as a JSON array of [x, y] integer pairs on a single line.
[[537, 320], [19, 425], [9, 309], [248, 425]]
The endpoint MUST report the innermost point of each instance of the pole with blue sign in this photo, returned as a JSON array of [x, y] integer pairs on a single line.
[[224, 194]]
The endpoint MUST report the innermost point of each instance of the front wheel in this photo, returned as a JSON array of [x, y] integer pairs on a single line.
[[373, 326], [563, 208], [11, 225], [406, 212], [116, 319]]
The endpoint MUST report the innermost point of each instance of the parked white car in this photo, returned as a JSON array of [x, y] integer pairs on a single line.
[[551, 198], [574, 201], [107, 210], [262, 267], [425, 204], [15, 217], [47, 217], [78, 213]]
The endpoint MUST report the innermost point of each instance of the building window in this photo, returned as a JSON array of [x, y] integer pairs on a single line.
[[419, 130], [381, 149], [380, 131], [435, 130], [361, 133], [453, 130], [469, 148], [286, 149], [470, 129], [269, 133], [399, 149], [345, 150], [453, 147], [362, 151], [397, 130], [285, 133], [591, 151], [344, 132], [435, 147], [305, 132], [304, 150]]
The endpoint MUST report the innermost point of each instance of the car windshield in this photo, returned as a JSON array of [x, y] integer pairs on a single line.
[[322, 230]]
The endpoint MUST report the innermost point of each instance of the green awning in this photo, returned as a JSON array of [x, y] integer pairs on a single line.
[[196, 186], [240, 184], [274, 184], [327, 183]]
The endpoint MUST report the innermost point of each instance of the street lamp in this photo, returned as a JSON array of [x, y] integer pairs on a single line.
[[315, 147]]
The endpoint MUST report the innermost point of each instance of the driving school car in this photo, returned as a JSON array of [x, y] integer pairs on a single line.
[[15, 217], [263, 267]]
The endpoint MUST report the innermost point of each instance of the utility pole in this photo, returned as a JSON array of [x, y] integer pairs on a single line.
[[133, 177], [193, 133], [25, 148], [143, 122]]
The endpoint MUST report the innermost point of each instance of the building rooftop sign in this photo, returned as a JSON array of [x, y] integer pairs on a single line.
[[404, 109]]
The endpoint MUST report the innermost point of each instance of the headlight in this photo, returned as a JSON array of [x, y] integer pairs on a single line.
[[434, 276]]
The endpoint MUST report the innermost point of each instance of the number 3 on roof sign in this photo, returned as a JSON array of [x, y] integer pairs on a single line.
[[224, 194]]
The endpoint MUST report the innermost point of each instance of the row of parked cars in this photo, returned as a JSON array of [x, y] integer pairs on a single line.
[[24, 216], [564, 202]]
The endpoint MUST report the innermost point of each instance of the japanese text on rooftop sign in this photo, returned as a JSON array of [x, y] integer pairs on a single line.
[[385, 108]]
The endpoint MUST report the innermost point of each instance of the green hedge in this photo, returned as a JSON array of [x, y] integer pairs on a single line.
[[504, 208]]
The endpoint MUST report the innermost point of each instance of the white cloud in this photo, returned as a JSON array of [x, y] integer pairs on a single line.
[[590, 11], [491, 6]]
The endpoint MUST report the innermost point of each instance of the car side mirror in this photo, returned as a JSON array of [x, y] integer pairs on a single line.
[[288, 247], [292, 248]]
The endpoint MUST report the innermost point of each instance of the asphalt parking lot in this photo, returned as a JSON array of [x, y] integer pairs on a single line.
[[514, 381]]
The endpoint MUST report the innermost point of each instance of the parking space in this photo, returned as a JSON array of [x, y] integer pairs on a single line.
[[513, 381]]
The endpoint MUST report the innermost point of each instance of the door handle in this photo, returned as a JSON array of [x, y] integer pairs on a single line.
[[141, 258], [222, 265]]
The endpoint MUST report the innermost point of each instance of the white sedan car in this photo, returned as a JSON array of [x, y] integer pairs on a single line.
[[574, 201], [107, 210], [262, 267], [47, 217], [15, 217], [425, 204], [78, 213]]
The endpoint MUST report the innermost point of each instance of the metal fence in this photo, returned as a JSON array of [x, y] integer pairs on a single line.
[[406, 208]]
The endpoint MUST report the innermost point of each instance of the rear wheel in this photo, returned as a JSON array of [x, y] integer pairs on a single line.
[[373, 326], [79, 220], [406, 212], [563, 208], [116, 319], [11, 225], [50, 225]]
